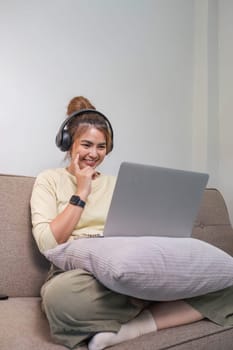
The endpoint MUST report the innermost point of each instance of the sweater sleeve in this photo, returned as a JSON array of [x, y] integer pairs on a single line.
[[43, 211]]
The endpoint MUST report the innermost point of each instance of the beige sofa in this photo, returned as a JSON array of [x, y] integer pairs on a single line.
[[23, 269]]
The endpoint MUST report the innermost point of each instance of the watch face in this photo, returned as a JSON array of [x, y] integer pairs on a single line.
[[75, 200]]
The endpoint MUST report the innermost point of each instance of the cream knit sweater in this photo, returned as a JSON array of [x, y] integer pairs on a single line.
[[51, 193]]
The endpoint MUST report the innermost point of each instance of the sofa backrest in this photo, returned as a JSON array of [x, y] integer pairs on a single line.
[[23, 268], [213, 224]]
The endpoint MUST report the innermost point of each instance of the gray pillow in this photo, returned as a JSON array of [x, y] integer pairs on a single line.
[[151, 268]]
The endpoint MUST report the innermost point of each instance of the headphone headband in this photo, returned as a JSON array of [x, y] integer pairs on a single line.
[[63, 137]]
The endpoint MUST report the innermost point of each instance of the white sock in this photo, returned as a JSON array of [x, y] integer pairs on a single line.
[[142, 324]]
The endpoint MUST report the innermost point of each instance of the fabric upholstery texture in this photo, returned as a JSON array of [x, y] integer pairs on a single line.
[[24, 318], [212, 223], [23, 269]]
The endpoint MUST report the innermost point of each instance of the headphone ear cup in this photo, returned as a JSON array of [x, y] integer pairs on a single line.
[[65, 142]]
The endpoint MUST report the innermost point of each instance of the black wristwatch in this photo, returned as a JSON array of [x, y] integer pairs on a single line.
[[76, 200]]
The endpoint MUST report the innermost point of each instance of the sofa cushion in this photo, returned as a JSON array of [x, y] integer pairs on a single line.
[[32, 332], [203, 335], [152, 268], [23, 268], [213, 223], [23, 326]]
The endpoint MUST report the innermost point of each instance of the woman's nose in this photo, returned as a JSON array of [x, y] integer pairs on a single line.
[[93, 152]]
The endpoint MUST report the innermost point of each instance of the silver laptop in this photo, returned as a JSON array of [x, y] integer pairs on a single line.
[[154, 201]]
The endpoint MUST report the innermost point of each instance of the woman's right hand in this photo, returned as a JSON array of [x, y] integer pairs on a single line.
[[84, 178]]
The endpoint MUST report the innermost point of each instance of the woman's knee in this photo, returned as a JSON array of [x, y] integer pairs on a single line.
[[72, 294], [55, 296]]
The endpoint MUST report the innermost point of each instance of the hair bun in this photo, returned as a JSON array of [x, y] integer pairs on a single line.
[[77, 103]]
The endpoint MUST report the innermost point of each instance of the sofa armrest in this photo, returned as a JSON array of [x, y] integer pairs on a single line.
[[213, 223]]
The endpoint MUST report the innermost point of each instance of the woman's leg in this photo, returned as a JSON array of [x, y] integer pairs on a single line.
[[159, 315], [142, 324], [77, 306], [173, 313]]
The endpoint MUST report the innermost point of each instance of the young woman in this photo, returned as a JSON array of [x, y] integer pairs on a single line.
[[72, 202]]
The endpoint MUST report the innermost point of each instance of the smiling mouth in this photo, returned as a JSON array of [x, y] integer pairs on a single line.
[[90, 162]]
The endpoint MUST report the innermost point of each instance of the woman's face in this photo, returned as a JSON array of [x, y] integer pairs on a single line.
[[91, 147]]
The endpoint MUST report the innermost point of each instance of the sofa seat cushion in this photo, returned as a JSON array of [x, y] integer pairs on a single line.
[[203, 335], [23, 326]]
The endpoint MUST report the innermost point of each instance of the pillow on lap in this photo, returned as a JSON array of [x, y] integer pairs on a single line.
[[151, 268]]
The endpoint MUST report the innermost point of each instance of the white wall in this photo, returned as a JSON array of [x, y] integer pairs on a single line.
[[213, 94], [132, 58], [226, 101], [205, 126]]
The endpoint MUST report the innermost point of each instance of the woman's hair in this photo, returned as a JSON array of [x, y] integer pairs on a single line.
[[77, 126], [78, 103]]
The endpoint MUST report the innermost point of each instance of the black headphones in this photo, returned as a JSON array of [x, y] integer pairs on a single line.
[[64, 139]]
